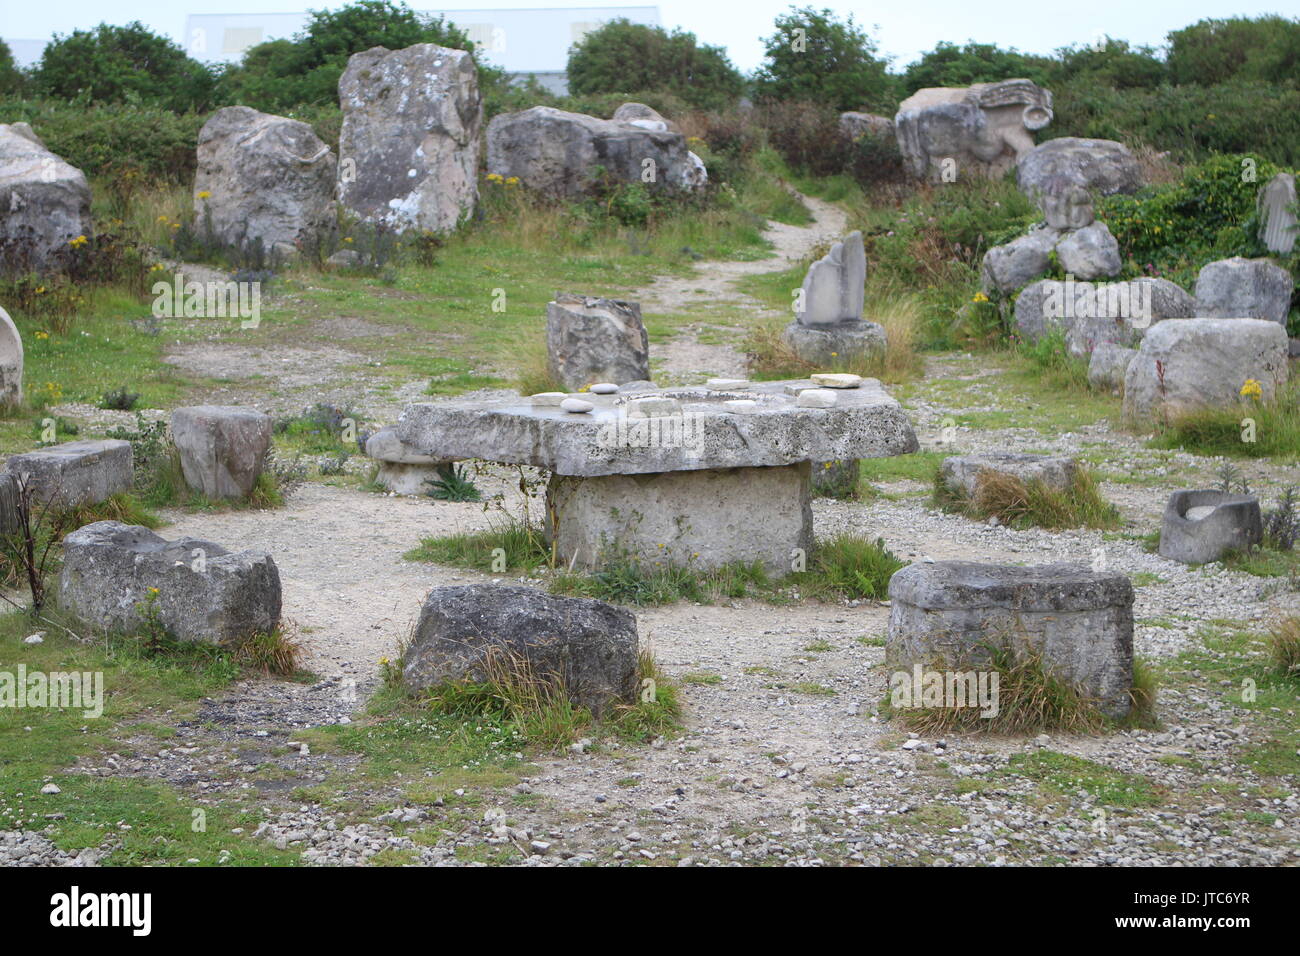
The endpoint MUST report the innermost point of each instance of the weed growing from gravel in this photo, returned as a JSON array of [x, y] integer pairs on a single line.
[[1021, 504]]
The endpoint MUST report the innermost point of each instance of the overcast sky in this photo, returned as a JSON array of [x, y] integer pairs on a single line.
[[905, 29]]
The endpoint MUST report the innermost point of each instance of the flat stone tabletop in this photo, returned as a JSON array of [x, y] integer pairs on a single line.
[[687, 429]]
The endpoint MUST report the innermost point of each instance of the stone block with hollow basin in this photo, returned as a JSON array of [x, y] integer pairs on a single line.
[[720, 476]]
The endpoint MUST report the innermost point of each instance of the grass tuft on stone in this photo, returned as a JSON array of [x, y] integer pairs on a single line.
[[1021, 504]]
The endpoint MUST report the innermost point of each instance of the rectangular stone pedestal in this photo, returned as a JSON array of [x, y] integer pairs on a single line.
[[701, 519]]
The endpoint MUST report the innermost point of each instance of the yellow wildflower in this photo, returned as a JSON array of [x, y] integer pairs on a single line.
[[1252, 389], [205, 194]]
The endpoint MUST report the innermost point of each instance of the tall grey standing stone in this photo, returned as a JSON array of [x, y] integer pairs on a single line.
[[590, 339], [1244, 288], [833, 289], [1278, 225], [409, 146], [44, 203], [268, 177], [75, 473], [11, 363], [947, 616], [1188, 365], [222, 448], [1203, 526], [565, 155], [204, 592], [590, 646]]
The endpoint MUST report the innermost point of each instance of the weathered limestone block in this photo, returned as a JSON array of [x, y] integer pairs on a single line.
[[1202, 526], [970, 132], [854, 125], [699, 519], [1015, 264], [75, 473], [1090, 253], [11, 363], [1108, 366], [590, 339], [470, 633], [1244, 288], [830, 346], [562, 154], [409, 145], [1120, 312], [222, 448], [963, 473], [832, 291], [1100, 166], [1192, 364], [267, 177], [1278, 225], [203, 591], [44, 203], [1079, 623]]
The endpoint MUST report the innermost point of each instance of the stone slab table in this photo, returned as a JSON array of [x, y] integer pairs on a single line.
[[698, 477]]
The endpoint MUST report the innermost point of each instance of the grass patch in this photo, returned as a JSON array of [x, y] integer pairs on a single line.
[[1065, 774], [1221, 432], [1021, 504]]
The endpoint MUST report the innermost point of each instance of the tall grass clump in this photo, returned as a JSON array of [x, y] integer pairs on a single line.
[[1220, 431], [1021, 504]]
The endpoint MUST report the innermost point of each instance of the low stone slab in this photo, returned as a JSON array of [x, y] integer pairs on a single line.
[[1203, 526], [696, 519], [962, 473], [946, 615], [831, 345], [1186, 365], [204, 592], [76, 473], [402, 469], [222, 448], [865, 422], [590, 645]]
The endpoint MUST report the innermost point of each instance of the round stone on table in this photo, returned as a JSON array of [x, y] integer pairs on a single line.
[[603, 388], [547, 398], [576, 406]]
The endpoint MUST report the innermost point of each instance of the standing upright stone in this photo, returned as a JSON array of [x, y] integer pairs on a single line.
[[409, 146], [589, 339], [222, 448], [828, 329], [1244, 288], [264, 177], [44, 203], [11, 363], [1278, 225]]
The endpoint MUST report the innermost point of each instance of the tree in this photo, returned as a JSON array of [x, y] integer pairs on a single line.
[[117, 64], [283, 74], [951, 65], [625, 57], [1112, 64], [11, 78], [1209, 52], [814, 57]]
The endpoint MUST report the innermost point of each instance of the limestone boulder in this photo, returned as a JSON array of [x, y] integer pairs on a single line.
[[960, 133], [1192, 364], [1090, 253], [409, 145], [1015, 264], [267, 178], [855, 125], [1203, 526], [1103, 167], [646, 117], [75, 473], [200, 591], [1108, 365], [472, 633], [1121, 312], [949, 617], [962, 474], [1244, 288], [835, 346], [44, 204], [222, 448], [563, 154], [590, 339]]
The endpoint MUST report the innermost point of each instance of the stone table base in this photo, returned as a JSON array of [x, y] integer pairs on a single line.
[[701, 519]]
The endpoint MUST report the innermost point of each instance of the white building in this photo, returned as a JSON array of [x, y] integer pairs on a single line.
[[522, 42]]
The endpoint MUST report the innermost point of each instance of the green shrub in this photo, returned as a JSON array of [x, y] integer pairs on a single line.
[[814, 57]]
